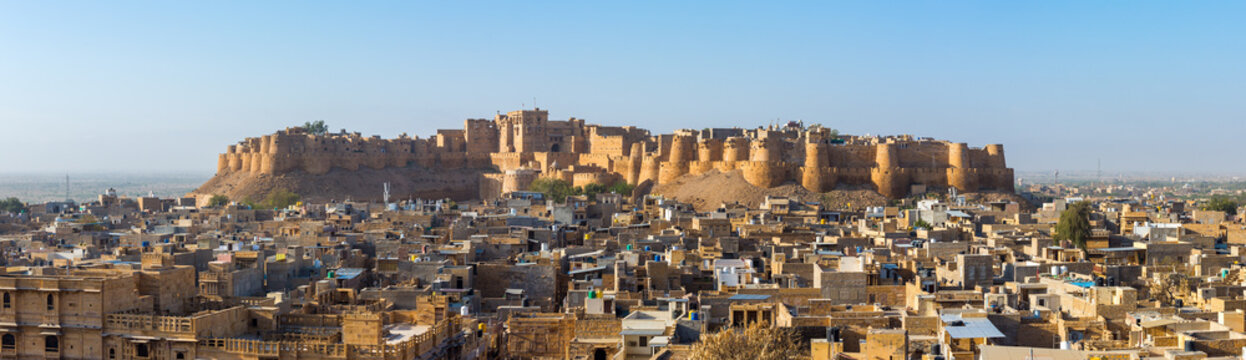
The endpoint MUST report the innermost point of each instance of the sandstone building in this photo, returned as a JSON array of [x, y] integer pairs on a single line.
[[523, 145]]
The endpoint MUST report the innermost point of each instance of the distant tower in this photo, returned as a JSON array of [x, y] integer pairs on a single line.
[[1099, 171], [66, 187]]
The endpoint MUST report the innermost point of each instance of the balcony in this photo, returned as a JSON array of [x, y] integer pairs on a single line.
[[138, 322]]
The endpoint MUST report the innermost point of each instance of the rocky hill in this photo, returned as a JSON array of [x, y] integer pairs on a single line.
[[339, 184]]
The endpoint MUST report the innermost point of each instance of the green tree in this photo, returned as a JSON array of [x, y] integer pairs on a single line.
[[250, 202], [317, 127], [1221, 203], [218, 201], [591, 190], [755, 342], [922, 224], [275, 199], [555, 189], [12, 205], [1074, 224], [622, 188], [280, 199]]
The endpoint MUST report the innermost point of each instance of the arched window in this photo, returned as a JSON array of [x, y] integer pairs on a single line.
[[7, 301], [50, 344], [180, 355], [8, 341], [51, 303], [112, 353]]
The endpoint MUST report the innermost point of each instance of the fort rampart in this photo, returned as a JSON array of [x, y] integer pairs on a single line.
[[528, 142]]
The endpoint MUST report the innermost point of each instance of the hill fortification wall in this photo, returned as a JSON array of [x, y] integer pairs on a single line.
[[528, 142]]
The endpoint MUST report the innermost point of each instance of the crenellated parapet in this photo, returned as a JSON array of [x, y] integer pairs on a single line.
[[527, 144], [765, 174], [295, 150], [678, 163]]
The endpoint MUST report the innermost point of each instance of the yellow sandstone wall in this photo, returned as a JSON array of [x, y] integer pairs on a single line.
[[584, 154]]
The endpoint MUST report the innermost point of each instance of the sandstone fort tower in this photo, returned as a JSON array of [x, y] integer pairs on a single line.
[[508, 152]]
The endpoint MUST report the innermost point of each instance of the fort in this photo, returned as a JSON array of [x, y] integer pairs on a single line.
[[517, 147]]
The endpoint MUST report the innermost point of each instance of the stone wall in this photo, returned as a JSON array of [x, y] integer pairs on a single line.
[[527, 139]]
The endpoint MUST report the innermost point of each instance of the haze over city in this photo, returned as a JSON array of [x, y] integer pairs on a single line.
[[163, 87]]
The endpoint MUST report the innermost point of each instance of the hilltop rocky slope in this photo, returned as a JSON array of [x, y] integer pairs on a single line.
[[340, 184]]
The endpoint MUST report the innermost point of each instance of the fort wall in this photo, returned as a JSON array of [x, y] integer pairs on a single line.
[[813, 173], [528, 142]]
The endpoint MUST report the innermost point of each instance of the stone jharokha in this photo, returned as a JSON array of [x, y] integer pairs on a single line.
[[525, 145]]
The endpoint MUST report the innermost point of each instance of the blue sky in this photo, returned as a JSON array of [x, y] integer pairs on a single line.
[[164, 87]]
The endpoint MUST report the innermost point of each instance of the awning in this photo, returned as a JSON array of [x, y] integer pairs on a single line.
[[642, 332]]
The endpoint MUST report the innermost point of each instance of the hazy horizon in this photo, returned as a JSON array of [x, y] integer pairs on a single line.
[[140, 87]]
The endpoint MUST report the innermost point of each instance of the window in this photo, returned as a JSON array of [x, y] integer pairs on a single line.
[[140, 350], [8, 342], [112, 353], [50, 344], [51, 303], [8, 303], [180, 355]]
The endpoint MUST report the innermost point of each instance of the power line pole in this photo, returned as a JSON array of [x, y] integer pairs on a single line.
[[1099, 171]]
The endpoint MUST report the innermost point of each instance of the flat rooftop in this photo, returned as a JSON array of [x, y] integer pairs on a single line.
[[399, 333]]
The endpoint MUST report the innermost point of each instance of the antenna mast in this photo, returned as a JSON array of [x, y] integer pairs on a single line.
[[1099, 171]]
